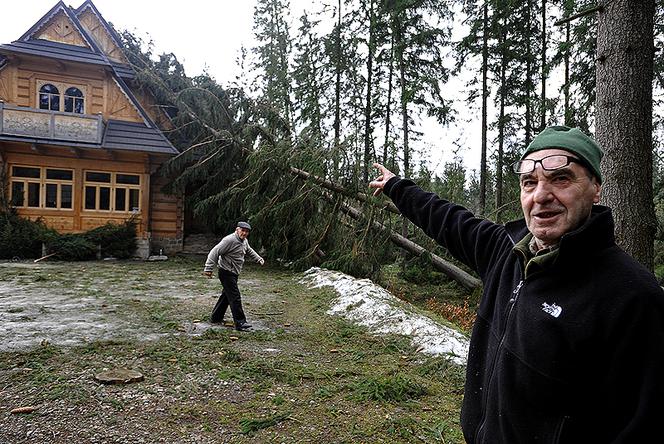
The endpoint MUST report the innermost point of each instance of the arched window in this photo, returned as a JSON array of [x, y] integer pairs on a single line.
[[74, 100], [49, 97]]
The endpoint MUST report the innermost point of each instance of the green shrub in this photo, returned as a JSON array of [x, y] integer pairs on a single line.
[[21, 237], [418, 270], [72, 247], [117, 240]]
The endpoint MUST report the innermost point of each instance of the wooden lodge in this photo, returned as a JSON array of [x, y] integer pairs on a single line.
[[79, 142]]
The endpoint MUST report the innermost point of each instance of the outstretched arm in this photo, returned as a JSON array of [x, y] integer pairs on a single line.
[[255, 256], [471, 240]]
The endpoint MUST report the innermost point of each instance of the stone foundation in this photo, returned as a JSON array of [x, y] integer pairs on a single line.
[[166, 246]]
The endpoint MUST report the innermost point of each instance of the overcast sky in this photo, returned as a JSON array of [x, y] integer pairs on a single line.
[[209, 34]]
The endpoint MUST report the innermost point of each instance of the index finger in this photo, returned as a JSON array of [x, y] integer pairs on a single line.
[[380, 167]]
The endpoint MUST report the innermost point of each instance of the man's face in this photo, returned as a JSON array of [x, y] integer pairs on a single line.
[[559, 201], [242, 232]]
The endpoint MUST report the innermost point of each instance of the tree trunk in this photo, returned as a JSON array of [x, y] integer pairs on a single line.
[[404, 114], [454, 272], [367, 110], [624, 69], [568, 115], [544, 69], [337, 97], [485, 95], [501, 127], [529, 74], [388, 110], [362, 197]]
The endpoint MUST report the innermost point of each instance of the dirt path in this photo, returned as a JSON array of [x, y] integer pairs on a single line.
[[302, 375]]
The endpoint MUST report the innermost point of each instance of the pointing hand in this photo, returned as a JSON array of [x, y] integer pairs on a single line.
[[380, 181]]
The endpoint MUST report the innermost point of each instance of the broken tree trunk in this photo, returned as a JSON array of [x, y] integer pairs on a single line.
[[456, 273], [389, 206]]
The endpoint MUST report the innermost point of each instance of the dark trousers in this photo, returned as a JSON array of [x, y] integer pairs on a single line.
[[230, 296]]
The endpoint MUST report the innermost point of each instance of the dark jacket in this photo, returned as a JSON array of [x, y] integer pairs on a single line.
[[572, 354]]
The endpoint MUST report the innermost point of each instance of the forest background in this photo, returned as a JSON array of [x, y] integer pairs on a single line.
[[289, 143]]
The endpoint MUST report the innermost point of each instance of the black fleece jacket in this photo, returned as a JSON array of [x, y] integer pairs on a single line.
[[572, 354]]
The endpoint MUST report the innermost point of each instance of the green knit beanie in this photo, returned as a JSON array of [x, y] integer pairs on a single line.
[[572, 140]]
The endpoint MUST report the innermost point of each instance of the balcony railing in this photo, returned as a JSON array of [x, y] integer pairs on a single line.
[[53, 125]]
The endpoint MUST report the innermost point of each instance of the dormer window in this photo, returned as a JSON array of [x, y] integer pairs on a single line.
[[74, 100], [49, 97]]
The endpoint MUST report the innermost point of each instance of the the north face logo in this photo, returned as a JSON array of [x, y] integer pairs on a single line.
[[553, 309]]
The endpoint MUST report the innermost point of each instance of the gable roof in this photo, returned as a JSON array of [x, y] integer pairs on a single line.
[[59, 7], [92, 54], [110, 29]]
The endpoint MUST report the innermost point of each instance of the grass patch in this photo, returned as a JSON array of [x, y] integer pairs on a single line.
[[396, 388], [250, 425]]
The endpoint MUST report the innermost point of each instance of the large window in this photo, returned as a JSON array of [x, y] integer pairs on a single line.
[[41, 187], [51, 98], [118, 192]]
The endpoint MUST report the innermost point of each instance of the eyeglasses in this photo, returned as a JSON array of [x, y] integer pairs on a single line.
[[549, 163]]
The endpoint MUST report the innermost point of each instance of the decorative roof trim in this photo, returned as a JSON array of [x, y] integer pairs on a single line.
[[107, 27], [60, 6]]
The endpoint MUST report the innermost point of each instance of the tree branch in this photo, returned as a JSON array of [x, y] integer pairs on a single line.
[[466, 280], [389, 206], [580, 14]]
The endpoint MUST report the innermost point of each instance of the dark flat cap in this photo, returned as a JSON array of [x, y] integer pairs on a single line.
[[244, 225]]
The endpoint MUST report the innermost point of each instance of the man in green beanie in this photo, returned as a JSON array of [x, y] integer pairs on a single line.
[[568, 344]]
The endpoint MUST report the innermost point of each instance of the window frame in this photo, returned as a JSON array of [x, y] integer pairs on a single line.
[[42, 181], [74, 100], [113, 185], [62, 88], [51, 97]]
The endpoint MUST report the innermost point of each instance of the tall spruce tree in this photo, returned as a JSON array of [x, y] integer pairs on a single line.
[[309, 79], [271, 31], [480, 28], [421, 29], [624, 120]]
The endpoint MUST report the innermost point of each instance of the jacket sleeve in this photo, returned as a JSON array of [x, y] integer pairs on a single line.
[[471, 240], [213, 255], [255, 256], [634, 373]]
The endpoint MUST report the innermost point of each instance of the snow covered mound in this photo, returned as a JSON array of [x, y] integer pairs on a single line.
[[370, 305]]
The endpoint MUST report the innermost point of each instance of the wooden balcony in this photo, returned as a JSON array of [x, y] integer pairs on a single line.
[[50, 125]]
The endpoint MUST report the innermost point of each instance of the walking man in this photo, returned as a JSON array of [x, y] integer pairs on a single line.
[[568, 345], [228, 255]]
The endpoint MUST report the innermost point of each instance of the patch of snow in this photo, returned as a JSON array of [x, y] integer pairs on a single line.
[[370, 305], [28, 318]]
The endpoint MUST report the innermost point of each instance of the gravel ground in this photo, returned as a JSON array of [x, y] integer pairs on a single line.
[[289, 379]]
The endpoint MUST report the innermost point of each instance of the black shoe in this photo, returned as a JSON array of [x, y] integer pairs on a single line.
[[242, 326]]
